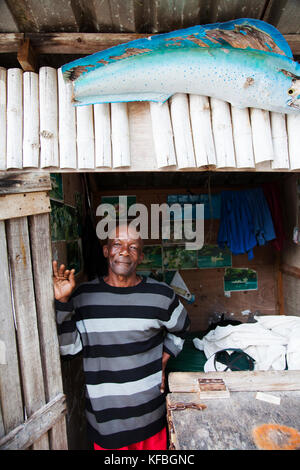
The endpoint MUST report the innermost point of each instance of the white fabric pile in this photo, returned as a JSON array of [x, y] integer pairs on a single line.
[[273, 342]]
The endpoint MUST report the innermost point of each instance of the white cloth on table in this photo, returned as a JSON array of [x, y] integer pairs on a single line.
[[273, 341]]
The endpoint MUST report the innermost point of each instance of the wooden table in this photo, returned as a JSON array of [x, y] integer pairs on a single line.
[[227, 423]]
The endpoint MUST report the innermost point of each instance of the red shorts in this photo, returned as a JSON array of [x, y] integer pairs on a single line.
[[156, 442]]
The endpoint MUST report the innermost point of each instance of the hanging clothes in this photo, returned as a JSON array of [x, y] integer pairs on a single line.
[[245, 221]]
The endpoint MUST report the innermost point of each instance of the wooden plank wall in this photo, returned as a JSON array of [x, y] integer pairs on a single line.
[[208, 284], [41, 129], [31, 398], [291, 254]]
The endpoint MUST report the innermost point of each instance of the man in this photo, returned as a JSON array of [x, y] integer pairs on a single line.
[[127, 327]]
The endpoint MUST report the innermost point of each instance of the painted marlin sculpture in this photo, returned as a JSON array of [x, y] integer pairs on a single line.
[[246, 62]]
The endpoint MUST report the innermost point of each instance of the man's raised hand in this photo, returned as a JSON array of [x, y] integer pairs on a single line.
[[63, 281]]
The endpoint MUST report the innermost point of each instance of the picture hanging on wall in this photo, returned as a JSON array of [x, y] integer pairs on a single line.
[[212, 256], [185, 229], [177, 257], [152, 258], [212, 204], [239, 279]]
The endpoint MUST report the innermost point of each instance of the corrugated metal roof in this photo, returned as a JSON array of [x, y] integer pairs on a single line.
[[141, 16]]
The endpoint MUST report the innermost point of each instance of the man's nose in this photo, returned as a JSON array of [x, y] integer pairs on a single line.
[[124, 251]]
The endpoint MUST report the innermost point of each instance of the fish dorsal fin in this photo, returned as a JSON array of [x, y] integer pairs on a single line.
[[249, 33], [243, 33]]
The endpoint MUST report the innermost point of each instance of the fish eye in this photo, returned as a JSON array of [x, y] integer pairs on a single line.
[[291, 91]]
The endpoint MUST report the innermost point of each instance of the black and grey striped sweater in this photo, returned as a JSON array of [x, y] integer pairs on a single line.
[[122, 333]]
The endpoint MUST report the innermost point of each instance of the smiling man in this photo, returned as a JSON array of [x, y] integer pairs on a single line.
[[127, 327]]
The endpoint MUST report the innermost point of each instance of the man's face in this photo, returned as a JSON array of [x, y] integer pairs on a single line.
[[124, 251]]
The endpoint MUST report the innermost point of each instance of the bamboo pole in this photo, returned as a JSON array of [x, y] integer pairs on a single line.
[[222, 128], [48, 117], [85, 137], [180, 116], [66, 124], [162, 134], [31, 118], [293, 127], [120, 135], [204, 145], [242, 137], [280, 141], [3, 100], [261, 135], [102, 135], [14, 118]]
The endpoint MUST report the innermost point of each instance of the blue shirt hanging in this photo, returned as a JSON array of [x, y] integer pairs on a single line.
[[245, 221]]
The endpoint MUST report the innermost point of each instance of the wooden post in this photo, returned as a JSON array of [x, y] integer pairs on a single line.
[[3, 118], [14, 118], [26, 321], [10, 386], [222, 128], [204, 145], [180, 115], [85, 137], [102, 129], [162, 134], [27, 57], [120, 135], [66, 124], [31, 118], [48, 117], [42, 270]]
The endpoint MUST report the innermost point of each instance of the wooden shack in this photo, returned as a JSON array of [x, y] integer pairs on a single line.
[[58, 163]]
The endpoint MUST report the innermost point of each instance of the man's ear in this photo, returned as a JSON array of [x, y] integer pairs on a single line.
[[105, 251], [141, 257]]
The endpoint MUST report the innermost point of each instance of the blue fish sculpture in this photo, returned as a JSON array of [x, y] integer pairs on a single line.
[[245, 62]]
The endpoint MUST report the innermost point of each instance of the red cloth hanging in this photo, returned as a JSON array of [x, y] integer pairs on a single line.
[[272, 194]]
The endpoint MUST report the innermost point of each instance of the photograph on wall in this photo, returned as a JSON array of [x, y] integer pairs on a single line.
[[239, 279], [212, 204], [212, 256], [177, 257], [181, 231], [56, 192], [152, 258]]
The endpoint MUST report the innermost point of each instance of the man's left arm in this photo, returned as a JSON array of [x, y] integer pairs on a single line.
[[176, 327]]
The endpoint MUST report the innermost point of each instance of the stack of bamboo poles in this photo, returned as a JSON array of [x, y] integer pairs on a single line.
[[207, 131], [40, 128]]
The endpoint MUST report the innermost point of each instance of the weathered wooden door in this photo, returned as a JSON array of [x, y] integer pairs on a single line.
[[32, 403]]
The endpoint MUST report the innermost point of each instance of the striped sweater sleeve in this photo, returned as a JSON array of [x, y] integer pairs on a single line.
[[176, 326], [68, 335]]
